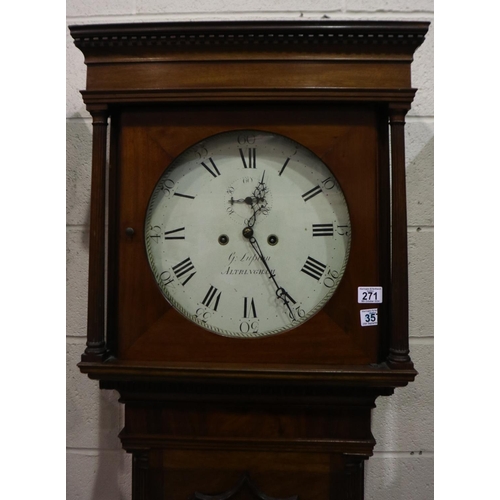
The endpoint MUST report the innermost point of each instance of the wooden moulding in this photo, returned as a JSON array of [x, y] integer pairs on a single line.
[[377, 376], [391, 38], [238, 61]]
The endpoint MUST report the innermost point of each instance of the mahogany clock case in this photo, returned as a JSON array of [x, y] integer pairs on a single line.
[[146, 328], [334, 87], [208, 416]]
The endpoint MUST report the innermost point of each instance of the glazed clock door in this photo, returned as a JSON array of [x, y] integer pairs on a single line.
[[243, 232]]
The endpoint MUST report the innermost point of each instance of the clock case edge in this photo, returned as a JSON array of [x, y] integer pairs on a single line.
[[363, 42]]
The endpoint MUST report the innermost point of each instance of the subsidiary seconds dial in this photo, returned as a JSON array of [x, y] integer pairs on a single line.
[[247, 234]]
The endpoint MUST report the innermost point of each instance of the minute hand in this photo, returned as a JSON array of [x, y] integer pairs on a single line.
[[280, 291]]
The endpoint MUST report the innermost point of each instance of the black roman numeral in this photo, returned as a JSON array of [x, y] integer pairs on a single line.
[[322, 229], [184, 196], [313, 268], [284, 166], [252, 161], [183, 268], [311, 193], [210, 296], [215, 172], [249, 308], [172, 235]]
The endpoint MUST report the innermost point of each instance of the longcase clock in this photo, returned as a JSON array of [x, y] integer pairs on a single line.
[[248, 275]]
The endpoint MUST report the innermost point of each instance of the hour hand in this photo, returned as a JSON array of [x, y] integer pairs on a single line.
[[249, 200]]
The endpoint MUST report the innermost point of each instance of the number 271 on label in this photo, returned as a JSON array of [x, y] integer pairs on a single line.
[[369, 295], [369, 317]]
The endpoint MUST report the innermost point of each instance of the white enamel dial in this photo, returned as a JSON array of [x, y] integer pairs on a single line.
[[247, 234]]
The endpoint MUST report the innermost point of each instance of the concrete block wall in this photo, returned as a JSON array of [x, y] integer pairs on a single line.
[[402, 465]]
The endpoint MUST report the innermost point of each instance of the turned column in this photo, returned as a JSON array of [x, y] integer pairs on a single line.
[[96, 345], [399, 342]]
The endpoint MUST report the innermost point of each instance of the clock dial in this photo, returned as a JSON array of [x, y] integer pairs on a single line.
[[247, 234]]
